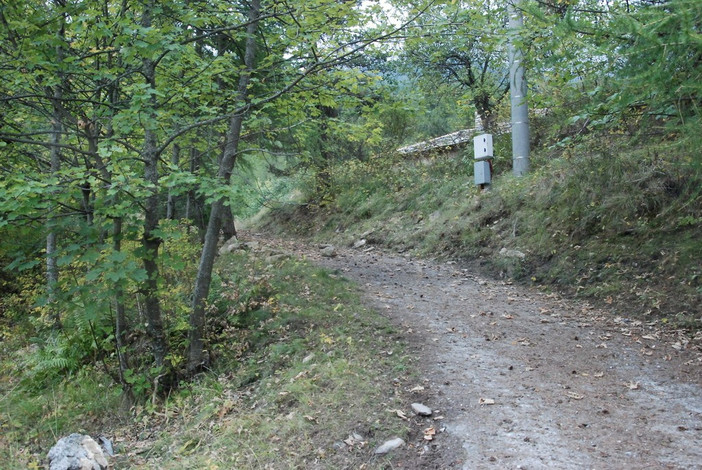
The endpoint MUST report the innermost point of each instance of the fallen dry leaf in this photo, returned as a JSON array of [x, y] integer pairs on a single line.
[[429, 433], [418, 388], [633, 385], [300, 375], [575, 396]]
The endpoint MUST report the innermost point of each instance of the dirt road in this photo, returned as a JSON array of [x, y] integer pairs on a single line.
[[527, 380]]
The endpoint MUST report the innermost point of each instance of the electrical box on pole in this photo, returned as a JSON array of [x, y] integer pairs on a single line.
[[482, 167]]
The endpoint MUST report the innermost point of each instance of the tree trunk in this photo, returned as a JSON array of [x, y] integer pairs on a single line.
[[151, 240], [170, 206], [204, 275], [85, 189], [228, 227], [194, 205], [151, 243], [325, 178], [52, 275], [121, 327]]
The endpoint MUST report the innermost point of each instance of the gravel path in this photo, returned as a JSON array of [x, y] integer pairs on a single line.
[[528, 380]]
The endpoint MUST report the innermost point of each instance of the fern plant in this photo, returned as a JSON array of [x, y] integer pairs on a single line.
[[49, 360]]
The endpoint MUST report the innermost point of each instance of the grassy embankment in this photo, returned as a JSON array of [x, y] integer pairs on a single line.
[[299, 365], [606, 219]]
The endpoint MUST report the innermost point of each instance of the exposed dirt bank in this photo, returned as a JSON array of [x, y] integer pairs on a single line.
[[528, 380]]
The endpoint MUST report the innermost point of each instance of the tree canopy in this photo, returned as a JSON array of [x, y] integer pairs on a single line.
[[123, 123]]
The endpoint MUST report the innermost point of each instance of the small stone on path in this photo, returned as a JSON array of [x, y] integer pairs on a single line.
[[421, 410], [360, 243], [392, 444], [329, 251]]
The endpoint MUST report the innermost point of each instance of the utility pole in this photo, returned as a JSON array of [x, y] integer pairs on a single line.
[[518, 94]]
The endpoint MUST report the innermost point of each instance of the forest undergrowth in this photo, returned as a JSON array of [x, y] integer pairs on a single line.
[[299, 365]]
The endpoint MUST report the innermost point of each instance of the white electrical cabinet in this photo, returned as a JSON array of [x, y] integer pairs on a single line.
[[482, 172], [482, 146]]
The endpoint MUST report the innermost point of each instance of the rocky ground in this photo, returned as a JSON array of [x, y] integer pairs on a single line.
[[520, 379]]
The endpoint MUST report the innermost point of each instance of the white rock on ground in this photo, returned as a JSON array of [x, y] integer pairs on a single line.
[[229, 247], [392, 444], [421, 410], [77, 452], [360, 243], [329, 251], [252, 245], [512, 253]]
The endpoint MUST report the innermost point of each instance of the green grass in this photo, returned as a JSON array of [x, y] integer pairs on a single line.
[[299, 365], [31, 420], [309, 376]]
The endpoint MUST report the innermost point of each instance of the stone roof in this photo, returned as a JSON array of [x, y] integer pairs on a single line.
[[454, 139]]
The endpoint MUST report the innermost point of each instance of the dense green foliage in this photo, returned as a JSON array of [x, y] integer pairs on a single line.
[[473, 69], [124, 118]]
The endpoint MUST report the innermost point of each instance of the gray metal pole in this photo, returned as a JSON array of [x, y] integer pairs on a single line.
[[518, 94]]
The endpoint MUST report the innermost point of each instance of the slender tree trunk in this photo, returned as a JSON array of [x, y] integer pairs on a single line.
[[228, 227], [325, 178], [86, 190], [52, 275], [209, 249], [151, 243], [170, 206], [151, 240], [191, 194], [121, 327], [194, 205], [227, 223]]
